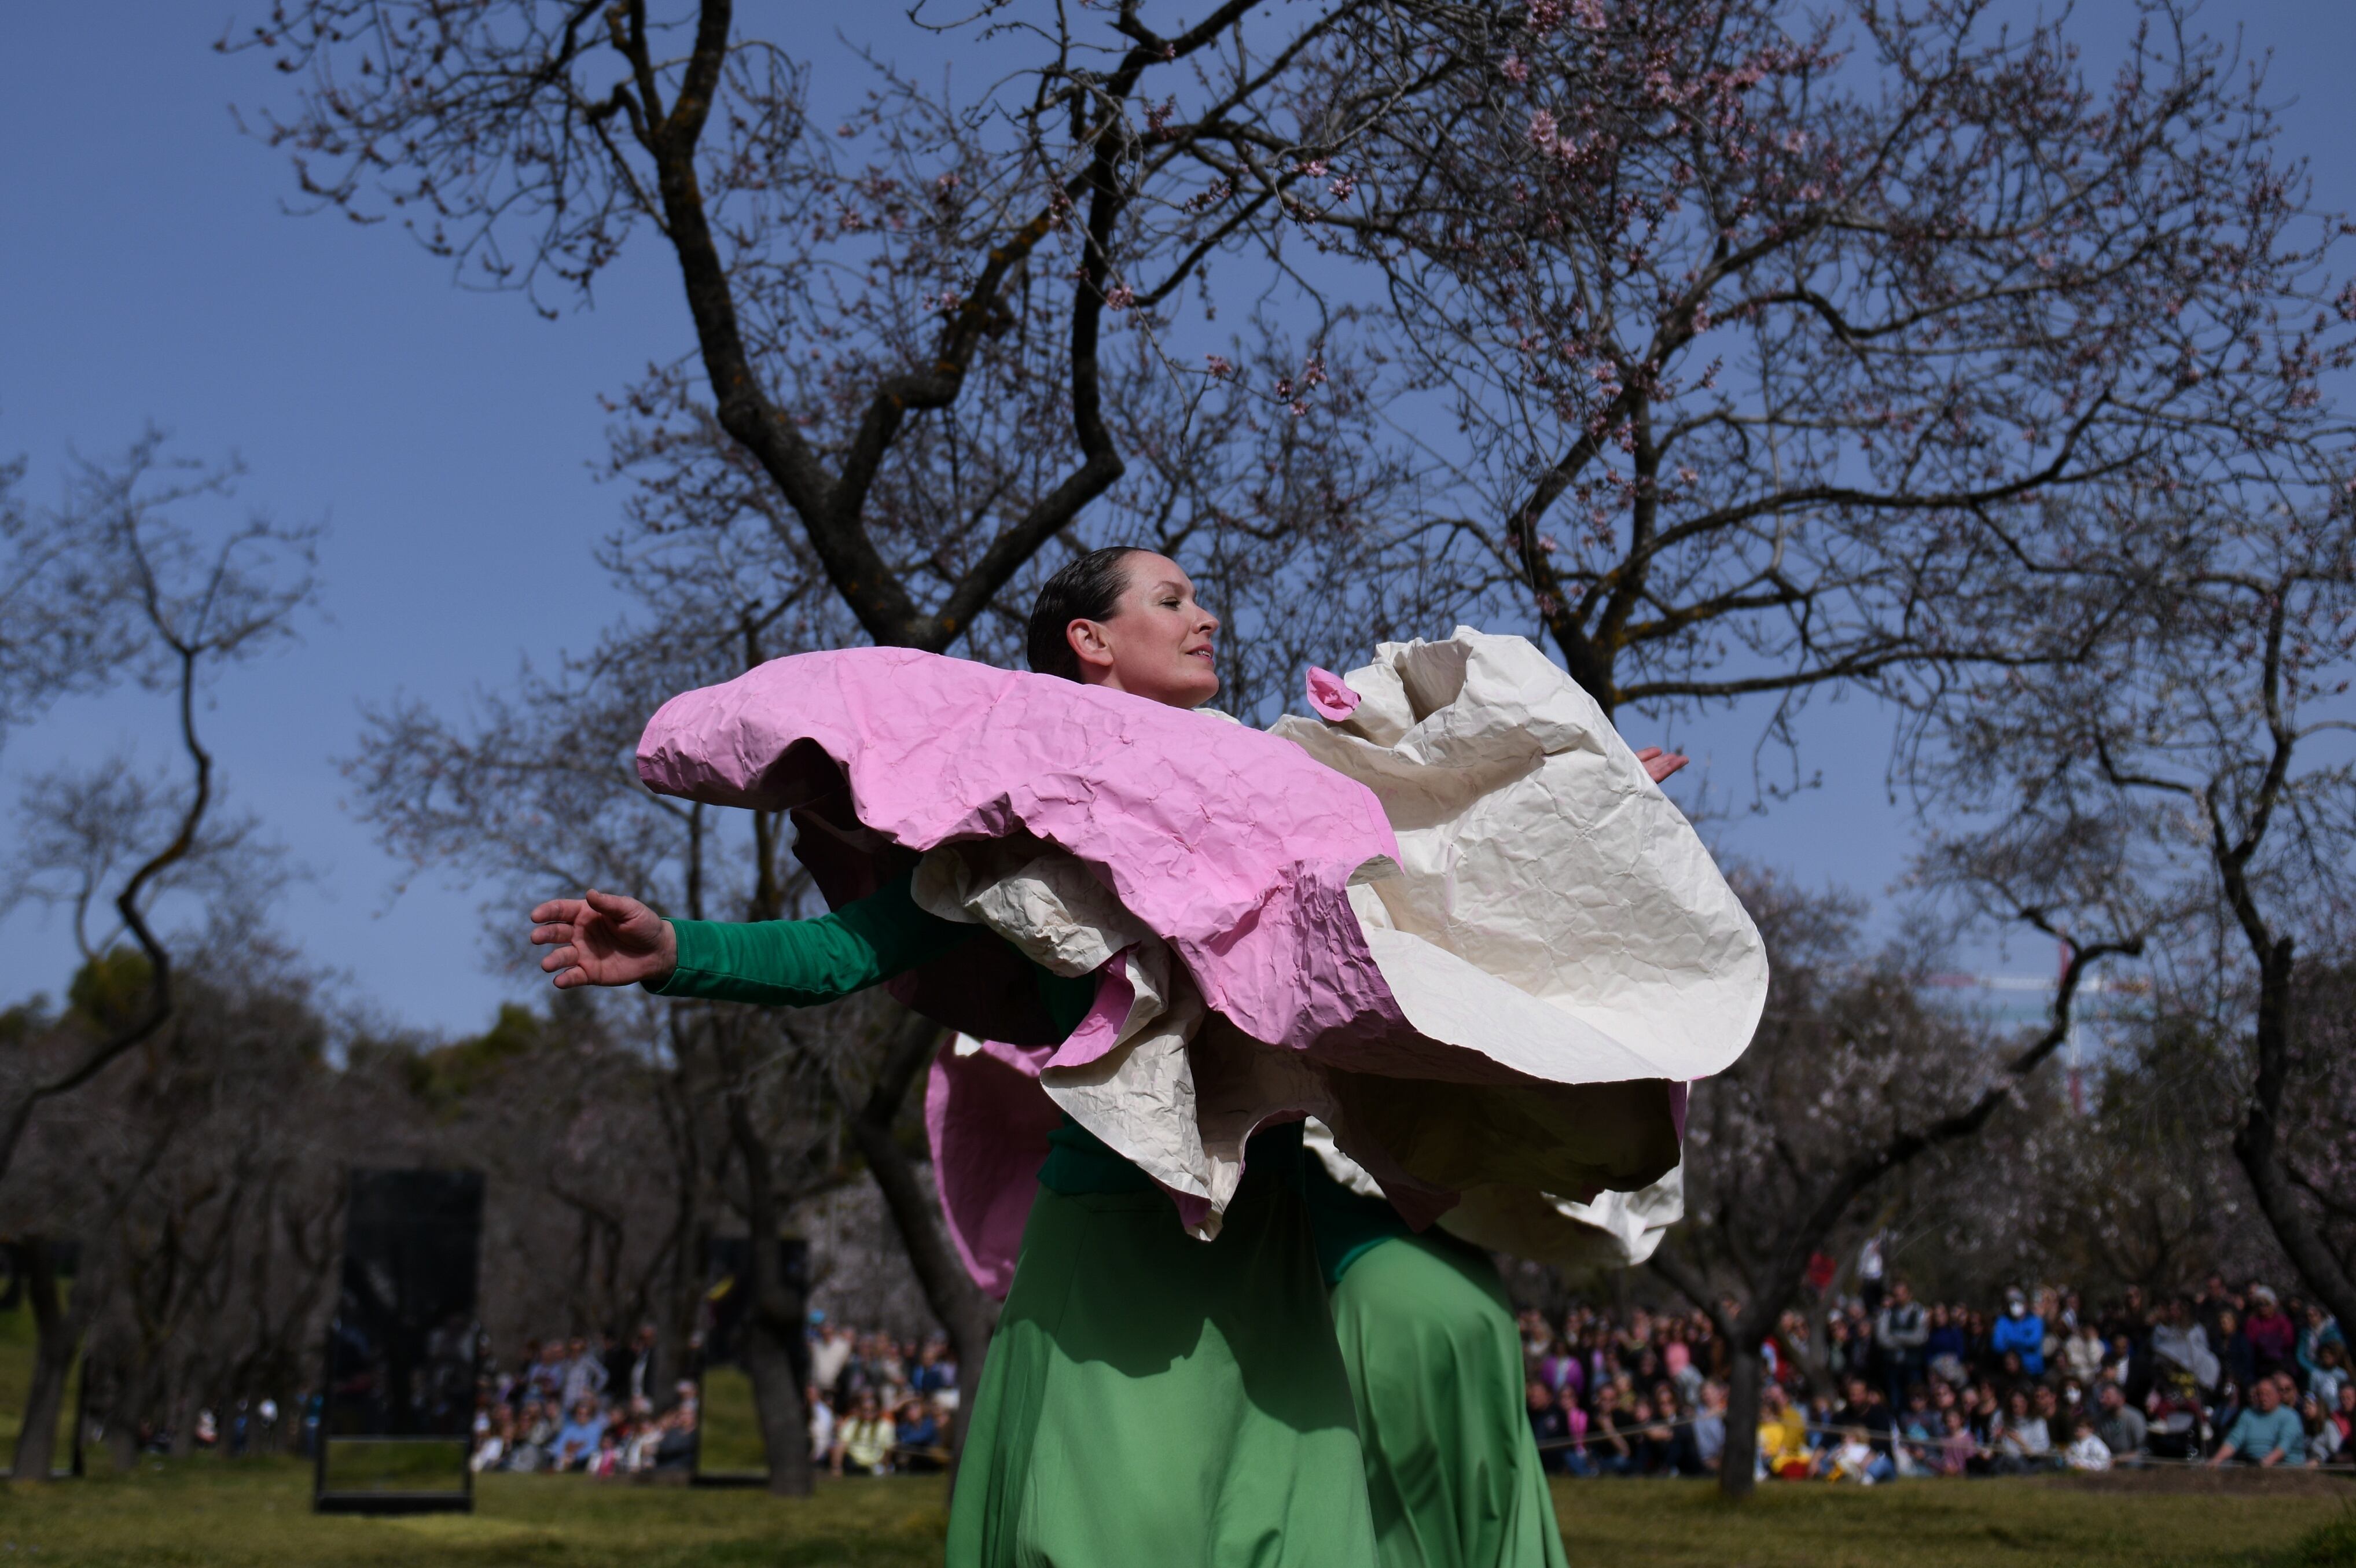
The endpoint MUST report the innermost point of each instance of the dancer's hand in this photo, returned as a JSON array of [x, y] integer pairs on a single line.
[[604, 939], [1660, 764]]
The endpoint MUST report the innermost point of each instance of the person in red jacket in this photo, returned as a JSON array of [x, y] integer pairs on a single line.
[[2271, 1335]]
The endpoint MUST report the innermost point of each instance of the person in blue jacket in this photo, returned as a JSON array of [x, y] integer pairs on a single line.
[[2020, 1331]]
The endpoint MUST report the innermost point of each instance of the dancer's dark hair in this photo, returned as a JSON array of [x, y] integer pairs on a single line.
[[1087, 589]]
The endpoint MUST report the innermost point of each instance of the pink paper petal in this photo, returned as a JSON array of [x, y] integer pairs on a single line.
[[1331, 696]]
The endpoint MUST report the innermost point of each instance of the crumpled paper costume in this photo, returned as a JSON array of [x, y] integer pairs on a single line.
[[1452, 920]]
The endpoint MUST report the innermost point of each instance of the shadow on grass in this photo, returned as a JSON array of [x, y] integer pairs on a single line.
[[2333, 1546]]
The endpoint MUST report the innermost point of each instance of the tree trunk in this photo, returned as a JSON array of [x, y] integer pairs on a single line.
[[773, 1327], [2257, 1142], [969, 1316], [777, 1381], [123, 1443], [183, 1426], [58, 1330], [1738, 1465]]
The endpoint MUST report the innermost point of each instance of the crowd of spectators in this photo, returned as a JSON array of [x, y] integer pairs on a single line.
[[599, 1409], [1872, 1388], [875, 1405], [878, 1406], [1879, 1386]]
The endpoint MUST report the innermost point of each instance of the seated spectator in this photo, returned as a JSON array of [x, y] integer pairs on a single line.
[[577, 1441], [821, 1425], [675, 1449], [2343, 1417], [1853, 1458], [2265, 1434], [1783, 1435], [1820, 1411], [1919, 1430], [1957, 1448], [1866, 1413], [1986, 1414], [922, 1444], [1706, 1434], [1654, 1439], [864, 1441], [540, 1423], [2327, 1370], [2317, 1329], [2046, 1406], [645, 1442], [2322, 1435], [527, 1449], [2119, 1425], [2086, 1451], [493, 1443], [2024, 1443], [1609, 1444], [1548, 1424], [607, 1460]]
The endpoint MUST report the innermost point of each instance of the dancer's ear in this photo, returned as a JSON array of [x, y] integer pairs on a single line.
[[1092, 645]]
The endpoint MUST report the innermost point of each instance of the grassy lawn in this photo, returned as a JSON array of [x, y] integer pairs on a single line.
[[256, 1514], [2131, 1522]]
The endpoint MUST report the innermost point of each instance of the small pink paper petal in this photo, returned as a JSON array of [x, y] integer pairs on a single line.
[[1331, 696]]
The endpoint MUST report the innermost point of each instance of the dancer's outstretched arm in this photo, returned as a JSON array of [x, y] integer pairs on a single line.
[[606, 939]]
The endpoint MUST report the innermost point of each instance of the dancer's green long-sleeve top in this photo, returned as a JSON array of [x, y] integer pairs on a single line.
[[1148, 1398], [802, 963]]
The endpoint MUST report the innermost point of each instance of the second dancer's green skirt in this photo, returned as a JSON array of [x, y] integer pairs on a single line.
[[1435, 1360], [1157, 1401]]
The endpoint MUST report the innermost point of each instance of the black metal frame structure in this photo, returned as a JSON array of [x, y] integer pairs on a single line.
[[412, 1245]]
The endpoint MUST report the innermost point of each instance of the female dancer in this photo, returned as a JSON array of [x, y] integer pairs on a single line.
[[1149, 1398], [1422, 1322]]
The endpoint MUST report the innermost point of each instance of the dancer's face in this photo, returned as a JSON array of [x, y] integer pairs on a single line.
[[1157, 643]]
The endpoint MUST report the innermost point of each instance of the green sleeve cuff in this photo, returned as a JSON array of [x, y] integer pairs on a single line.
[[806, 963]]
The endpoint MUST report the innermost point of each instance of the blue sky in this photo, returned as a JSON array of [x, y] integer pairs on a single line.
[[446, 438]]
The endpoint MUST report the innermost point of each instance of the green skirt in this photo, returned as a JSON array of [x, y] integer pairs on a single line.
[[1157, 1401], [1435, 1362]]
